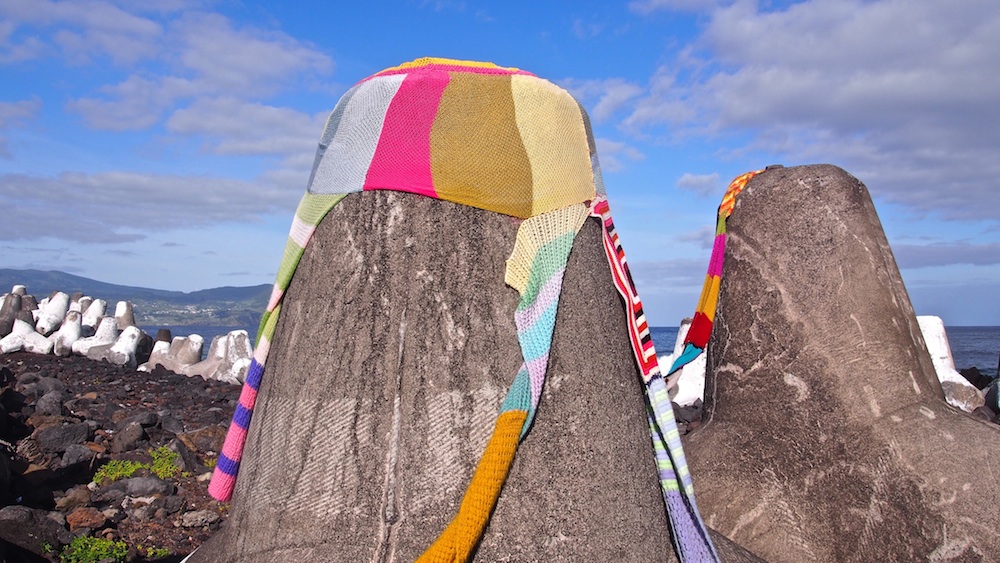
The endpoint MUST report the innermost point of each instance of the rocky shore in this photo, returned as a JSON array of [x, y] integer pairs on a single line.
[[106, 453]]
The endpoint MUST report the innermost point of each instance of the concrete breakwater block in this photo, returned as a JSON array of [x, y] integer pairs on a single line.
[[383, 388], [92, 316], [52, 313], [68, 333], [14, 340], [957, 390], [124, 315], [177, 355], [827, 435], [228, 359], [24, 337], [107, 333], [687, 385], [9, 310], [123, 351]]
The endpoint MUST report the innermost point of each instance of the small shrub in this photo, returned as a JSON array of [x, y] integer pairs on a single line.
[[91, 550], [116, 469], [154, 552], [163, 463]]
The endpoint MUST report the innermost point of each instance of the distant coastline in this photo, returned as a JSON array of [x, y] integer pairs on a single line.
[[215, 311]]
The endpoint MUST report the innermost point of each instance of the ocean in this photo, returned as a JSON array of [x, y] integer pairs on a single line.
[[971, 346]]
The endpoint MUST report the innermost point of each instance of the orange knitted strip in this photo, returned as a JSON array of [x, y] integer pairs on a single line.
[[455, 544]]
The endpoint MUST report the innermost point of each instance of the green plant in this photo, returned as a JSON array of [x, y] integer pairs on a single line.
[[164, 462], [154, 552], [47, 548], [86, 549], [116, 469], [211, 462]]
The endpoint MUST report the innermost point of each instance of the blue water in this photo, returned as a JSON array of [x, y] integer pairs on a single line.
[[971, 346]]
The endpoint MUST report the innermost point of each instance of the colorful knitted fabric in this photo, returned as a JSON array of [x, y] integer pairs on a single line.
[[704, 316], [691, 537], [495, 138]]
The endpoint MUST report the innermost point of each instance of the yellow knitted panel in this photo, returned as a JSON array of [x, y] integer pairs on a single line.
[[456, 542], [477, 157], [710, 300], [424, 61], [536, 232], [553, 133]]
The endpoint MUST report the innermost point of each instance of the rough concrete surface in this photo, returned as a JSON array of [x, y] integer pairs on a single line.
[[827, 436], [395, 346]]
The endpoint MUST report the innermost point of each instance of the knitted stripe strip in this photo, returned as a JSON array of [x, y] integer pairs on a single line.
[[311, 210], [460, 537], [549, 238], [701, 326], [690, 535]]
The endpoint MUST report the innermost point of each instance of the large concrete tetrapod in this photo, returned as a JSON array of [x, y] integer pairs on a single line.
[[827, 437], [389, 364], [388, 421]]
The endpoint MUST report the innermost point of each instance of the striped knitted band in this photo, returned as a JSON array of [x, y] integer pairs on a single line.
[[701, 326], [690, 535], [498, 139]]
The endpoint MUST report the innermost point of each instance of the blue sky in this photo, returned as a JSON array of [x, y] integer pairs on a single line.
[[165, 143]]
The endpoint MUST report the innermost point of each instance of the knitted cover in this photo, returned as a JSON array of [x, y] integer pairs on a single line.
[[701, 326], [506, 141]]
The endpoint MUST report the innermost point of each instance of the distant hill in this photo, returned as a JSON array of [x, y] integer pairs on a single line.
[[220, 306]]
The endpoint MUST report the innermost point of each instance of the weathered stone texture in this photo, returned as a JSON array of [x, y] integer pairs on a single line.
[[395, 346], [827, 435]]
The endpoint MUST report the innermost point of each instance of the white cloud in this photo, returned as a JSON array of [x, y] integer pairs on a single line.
[[602, 97], [900, 93], [703, 237], [676, 274], [86, 29], [12, 51], [237, 127], [123, 206], [200, 56], [649, 6], [243, 60], [13, 112], [583, 30], [665, 103], [611, 153], [701, 184], [945, 254]]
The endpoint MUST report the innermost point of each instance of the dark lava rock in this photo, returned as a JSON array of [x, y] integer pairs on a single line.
[[76, 454], [145, 486], [56, 452], [144, 419], [51, 404], [31, 529], [128, 438], [978, 380], [56, 439]]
